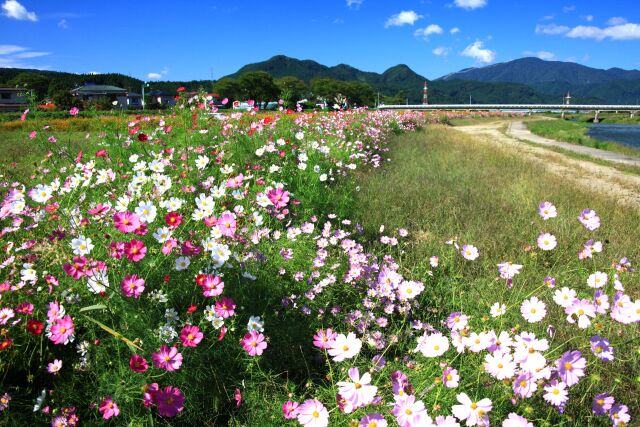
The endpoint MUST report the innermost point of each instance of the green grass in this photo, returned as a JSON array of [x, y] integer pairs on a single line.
[[576, 133], [443, 185]]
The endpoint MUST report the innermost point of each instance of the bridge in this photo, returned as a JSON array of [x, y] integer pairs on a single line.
[[530, 108]]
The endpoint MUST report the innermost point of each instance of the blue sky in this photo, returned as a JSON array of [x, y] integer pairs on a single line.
[[199, 39]]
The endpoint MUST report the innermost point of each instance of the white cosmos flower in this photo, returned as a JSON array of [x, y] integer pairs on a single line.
[[146, 211], [182, 263], [81, 245], [433, 345], [41, 193]]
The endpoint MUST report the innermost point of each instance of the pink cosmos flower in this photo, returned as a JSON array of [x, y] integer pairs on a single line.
[[74, 111], [547, 210], [253, 343], [278, 197], [54, 367], [191, 336], [61, 330], [571, 367], [108, 408], [170, 401], [126, 222], [167, 358], [132, 286], [138, 363], [290, 410], [373, 420], [33, 134], [590, 219], [212, 286], [323, 339], [225, 307], [135, 250], [227, 224], [312, 413], [450, 377]]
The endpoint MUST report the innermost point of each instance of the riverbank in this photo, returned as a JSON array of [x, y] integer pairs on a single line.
[[576, 133]]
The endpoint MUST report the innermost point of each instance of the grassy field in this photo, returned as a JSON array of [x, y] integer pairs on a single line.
[[575, 133], [444, 185]]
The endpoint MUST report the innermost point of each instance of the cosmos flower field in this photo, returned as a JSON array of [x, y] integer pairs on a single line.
[[199, 270]]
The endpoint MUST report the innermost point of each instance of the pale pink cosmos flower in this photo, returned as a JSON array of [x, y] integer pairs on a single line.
[[474, 413], [410, 412], [590, 219], [227, 224], [547, 242], [515, 420], [581, 310], [450, 377], [323, 339], [312, 413], [469, 252], [597, 279], [54, 367], [547, 210], [432, 345], [290, 410], [556, 393], [358, 392], [345, 347]]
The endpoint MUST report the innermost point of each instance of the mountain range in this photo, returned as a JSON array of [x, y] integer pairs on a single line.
[[524, 80]]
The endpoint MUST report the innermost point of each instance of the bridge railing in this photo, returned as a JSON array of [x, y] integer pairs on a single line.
[[503, 107]]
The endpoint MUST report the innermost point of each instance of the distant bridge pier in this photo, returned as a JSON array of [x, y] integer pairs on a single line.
[[562, 114], [632, 114], [596, 119]]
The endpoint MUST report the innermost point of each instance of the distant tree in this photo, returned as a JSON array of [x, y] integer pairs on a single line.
[[292, 89], [33, 81], [63, 100], [227, 88], [259, 86], [358, 93], [325, 88]]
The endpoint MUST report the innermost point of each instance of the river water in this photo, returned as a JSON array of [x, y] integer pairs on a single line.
[[623, 134]]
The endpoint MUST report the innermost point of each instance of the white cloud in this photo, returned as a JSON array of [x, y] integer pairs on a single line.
[[428, 30], [588, 18], [13, 9], [8, 49], [568, 9], [26, 55], [454, 30], [470, 4], [406, 17], [475, 50], [154, 76], [542, 54], [548, 17], [441, 51], [63, 24], [551, 29], [627, 31], [617, 20], [338, 21], [354, 3]]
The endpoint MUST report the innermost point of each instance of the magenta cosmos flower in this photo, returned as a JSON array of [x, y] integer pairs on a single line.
[[571, 367], [170, 401], [135, 250], [191, 336], [225, 307], [323, 339], [126, 222], [167, 358], [108, 408], [138, 363], [61, 330], [312, 413], [132, 286], [253, 343], [212, 286], [290, 409]]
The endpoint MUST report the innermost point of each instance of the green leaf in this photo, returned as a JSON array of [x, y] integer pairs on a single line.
[[93, 307], [118, 335]]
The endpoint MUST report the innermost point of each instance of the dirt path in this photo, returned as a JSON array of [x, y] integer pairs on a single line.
[[520, 131], [624, 187]]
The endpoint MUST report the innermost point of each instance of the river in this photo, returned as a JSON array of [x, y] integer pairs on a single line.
[[623, 134]]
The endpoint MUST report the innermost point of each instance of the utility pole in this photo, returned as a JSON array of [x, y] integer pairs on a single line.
[[143, 86], [378, 103], [469, 99]]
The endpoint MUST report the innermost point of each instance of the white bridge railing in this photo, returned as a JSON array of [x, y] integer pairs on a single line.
[[508, 107]]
